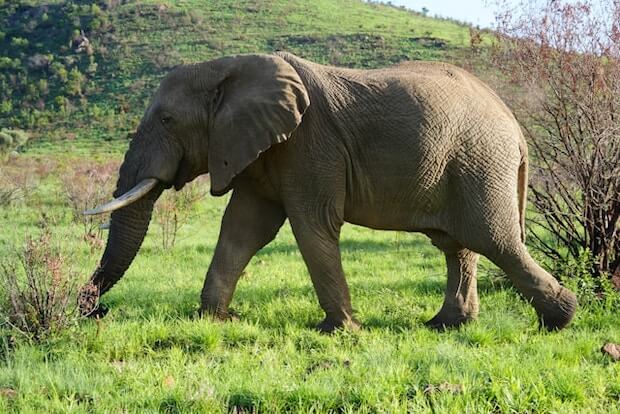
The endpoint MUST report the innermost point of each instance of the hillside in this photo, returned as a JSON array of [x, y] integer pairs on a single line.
[[80, 70]]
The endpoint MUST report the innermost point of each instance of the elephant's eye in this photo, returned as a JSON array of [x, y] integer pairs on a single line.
[[166, 119]]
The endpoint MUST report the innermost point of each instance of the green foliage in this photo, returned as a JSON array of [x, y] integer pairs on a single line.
[[19, 42], [8, 63], [11, 140], [6, 106], [62, 103], [43, 86], [59, 70], [96, 61], [593, 291], [75, 82], [6, 142]]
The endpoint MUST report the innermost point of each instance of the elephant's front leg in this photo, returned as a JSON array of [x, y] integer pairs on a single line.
[[318, 243], [249, 223]]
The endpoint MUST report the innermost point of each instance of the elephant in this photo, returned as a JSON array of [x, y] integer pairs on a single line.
[[416, 147]]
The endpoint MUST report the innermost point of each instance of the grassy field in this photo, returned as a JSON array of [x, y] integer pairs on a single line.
[[152, 353]]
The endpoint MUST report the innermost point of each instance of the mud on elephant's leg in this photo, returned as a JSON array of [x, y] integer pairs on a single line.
[[318, 243], [249, 223], [461, 301]]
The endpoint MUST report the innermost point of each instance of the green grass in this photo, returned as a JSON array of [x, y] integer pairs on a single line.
[[152, 353]]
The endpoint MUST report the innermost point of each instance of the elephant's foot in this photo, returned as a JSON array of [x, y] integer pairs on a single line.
[[329, 325], [450, 319], [556, 312], [219, 313]]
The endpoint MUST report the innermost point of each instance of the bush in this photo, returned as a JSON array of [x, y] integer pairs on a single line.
[[6, 142], [75, 83], [566, 56], [173, 210], [6, 106], [86, 187], [19, 42], [593, 292], [39, 291], [11, 140], [9, 191], [60, 71]]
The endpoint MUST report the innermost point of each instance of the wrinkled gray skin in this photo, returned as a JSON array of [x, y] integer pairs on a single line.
[[420, 147]]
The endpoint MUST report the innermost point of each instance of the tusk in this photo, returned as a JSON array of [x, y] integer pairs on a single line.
[[139, 191]]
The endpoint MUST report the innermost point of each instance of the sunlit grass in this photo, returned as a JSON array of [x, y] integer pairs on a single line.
[[153, 353]]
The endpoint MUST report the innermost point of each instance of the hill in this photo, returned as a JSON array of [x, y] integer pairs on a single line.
[[85, 69]]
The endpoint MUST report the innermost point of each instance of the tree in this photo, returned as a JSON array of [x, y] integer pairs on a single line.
[[566, 59]]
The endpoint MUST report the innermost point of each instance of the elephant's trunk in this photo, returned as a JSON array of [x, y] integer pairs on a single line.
[[129, 224], [127, 230]]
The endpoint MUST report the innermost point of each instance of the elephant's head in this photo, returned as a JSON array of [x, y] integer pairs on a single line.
[[215, 117]]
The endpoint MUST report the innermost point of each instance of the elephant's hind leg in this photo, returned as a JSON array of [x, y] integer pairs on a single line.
[[496, 234], [461, 301], [554, 304]]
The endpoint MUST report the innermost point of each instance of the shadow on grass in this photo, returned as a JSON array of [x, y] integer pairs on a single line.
[[182, 302], [351, 246]]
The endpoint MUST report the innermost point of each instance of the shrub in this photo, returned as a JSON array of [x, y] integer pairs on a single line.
[[566, 55], [6, 62], [75, 82], [63, 104], [87, 186], [9, 192], [60, 71], [6, 106], [6, 142], [11, 140], [174, 208], [594, 292], [39, 290], [19, 42]]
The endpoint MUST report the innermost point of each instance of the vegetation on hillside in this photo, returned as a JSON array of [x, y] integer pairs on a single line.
[[85, 69]]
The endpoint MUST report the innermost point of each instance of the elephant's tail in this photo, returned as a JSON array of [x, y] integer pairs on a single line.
[[522, 189]]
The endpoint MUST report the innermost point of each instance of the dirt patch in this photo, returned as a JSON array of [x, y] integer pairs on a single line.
[[611, 349], [430, 42]]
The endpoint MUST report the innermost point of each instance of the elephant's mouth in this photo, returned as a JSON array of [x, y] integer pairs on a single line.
[[186, 172], [183, 175]]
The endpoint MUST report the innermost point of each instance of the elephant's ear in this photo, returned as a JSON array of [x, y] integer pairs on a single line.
[[262, 102]]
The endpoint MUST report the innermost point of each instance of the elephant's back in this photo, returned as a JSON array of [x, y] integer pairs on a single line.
[[444, 85]]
